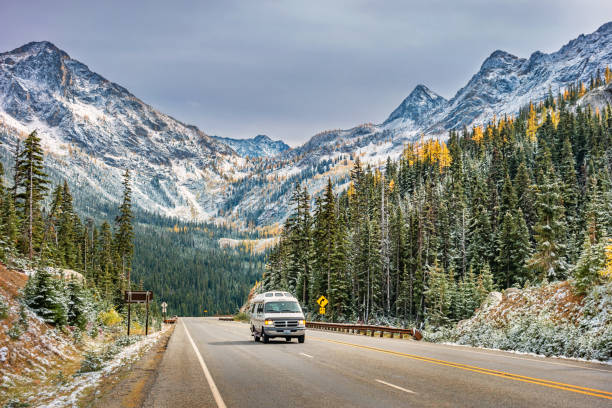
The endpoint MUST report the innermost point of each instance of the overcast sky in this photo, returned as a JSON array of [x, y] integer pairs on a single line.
[[290, 69]]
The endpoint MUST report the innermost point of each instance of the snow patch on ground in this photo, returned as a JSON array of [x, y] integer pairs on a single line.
[[549, 320], [75, 389]]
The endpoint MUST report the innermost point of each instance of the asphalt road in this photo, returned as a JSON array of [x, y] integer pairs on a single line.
[[343, 370]]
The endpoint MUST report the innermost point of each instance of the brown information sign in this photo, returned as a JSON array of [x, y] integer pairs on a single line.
[[138, 296]]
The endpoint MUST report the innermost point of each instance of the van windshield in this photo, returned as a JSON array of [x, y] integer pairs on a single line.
[[282, 307]]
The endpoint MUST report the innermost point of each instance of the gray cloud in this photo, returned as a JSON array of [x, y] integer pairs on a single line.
[[291, 69]]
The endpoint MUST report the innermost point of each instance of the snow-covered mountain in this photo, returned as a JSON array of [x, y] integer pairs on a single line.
[[416, 108], [503, 84], [93, 129], [258, 146]]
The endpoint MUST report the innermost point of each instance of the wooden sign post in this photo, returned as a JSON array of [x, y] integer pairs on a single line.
[[138, 296]]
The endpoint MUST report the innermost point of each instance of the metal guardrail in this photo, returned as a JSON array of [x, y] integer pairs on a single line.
[[365, 329], [226, 318]]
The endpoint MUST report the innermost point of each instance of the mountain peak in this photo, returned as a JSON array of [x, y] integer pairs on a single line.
[[420, 102], [262, 138], [498, 59], [258, 146], [36, 47], [605, 28]]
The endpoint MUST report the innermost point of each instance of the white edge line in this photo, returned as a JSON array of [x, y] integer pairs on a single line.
[[307, 355], [211, 382], [536, 358], [396, 387]]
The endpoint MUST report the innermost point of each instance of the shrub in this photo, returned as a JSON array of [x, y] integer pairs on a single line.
[[77, 336], [91, 362], [125, 341], [23, 318], [15, 403], [14, 332], [3, 308], [110, 318], [241, 317], [109, 352]]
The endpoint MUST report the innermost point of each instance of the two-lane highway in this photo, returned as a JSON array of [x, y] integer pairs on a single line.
[[212, 363]]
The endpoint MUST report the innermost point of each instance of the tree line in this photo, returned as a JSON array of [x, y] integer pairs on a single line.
[[39, 223], [517, 202]]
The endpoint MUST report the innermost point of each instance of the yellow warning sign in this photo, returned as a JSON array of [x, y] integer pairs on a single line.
[[321, 310], [322, 301]]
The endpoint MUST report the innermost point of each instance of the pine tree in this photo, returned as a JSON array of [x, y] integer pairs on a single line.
[[31, 188], [480, 233], [525, 193], [9, 229], [548, 260], [591, 262], [44, 295], [437, 296], [66, 229], [78, 305], [569, 194], [125, 232]]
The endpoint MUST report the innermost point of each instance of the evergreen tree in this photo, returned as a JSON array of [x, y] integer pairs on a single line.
[[31, 188], [66, 229], [125, 232], [9, 229], [45, 296], [437, 296], [77, 306], [591, 262], [548, 260]]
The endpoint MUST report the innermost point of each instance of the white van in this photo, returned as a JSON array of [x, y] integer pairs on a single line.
[[277, 314]]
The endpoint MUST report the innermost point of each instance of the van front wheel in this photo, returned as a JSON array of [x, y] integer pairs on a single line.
[[265, 338], [301, 338]]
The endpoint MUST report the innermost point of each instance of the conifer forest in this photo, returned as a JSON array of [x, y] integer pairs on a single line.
[[520, 201]]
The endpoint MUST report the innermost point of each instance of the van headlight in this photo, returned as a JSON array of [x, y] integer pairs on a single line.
[[301, 322], [269, 322]]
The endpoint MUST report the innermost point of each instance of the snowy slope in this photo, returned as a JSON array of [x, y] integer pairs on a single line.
[[550, 320], [503, 84], [258, 146], [93, 129]]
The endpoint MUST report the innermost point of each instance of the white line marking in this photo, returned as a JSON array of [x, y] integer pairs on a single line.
[[306, 355], [397, 387], [211, 382]]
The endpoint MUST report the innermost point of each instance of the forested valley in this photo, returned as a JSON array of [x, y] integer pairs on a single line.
[[181, 263]]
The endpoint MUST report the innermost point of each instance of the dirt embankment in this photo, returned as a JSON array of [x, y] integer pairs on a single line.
[[549, 319], [31, 352]]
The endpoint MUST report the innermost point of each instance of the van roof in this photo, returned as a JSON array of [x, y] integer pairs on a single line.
[[272, 296]]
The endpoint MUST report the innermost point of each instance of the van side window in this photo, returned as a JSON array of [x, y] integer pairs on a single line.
[[260, 308]]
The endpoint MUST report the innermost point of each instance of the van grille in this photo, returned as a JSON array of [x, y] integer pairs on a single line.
[[285, 323]]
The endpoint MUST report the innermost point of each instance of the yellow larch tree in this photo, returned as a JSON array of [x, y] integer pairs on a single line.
[[532, 123], [477, 134], [606, 272]]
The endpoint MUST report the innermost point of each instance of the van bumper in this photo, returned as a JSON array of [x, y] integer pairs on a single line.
[[281, 332]]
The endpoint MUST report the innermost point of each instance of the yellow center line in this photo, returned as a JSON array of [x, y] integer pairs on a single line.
[[481, 370]]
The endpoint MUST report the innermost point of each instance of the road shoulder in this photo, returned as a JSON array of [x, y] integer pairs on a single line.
[[131, 386]]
